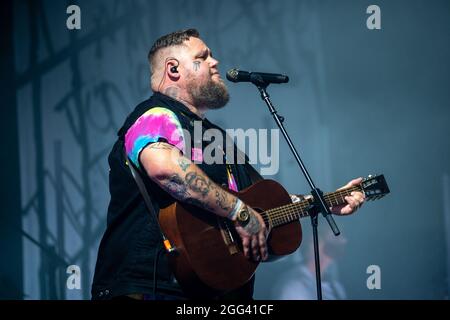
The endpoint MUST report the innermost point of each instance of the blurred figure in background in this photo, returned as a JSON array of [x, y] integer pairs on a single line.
[[298, 280]]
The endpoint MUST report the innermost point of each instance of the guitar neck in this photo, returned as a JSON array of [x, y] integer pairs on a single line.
[[294, 211]]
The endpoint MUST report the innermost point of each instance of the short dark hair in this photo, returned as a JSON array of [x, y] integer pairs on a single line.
[[172, 39]]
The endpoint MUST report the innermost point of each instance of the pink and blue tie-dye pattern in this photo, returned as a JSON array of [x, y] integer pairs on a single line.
[[153, 125], [158, 123]]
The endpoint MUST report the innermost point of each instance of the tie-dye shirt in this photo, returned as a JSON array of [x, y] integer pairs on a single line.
[[154, 125], [162, 124]]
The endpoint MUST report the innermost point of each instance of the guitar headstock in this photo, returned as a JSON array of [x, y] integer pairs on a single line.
[[375, 187]]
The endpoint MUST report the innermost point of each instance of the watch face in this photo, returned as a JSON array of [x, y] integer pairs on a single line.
[[243, 215]]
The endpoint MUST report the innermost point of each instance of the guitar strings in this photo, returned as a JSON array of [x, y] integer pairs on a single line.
[[278, 215], [294, 211], [291, 212]]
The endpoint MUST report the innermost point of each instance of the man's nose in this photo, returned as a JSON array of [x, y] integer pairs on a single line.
[[214, 63]]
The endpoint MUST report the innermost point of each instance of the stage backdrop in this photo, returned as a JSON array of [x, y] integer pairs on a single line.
[[359, 101]]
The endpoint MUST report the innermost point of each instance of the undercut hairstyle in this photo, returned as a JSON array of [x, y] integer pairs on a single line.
[[169, 40]]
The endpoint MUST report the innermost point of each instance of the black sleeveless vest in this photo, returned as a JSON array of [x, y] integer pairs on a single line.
[[131, 243]]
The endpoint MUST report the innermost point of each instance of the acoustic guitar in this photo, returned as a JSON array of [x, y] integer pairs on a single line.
[[209, 259]]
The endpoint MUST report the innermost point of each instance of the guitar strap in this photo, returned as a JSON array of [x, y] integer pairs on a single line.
[[148, 202]]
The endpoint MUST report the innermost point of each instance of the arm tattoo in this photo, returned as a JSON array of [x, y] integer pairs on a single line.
[[199, 204], [179, 190], [176, 187], [183, 163], [196, 65], [197, 183], [223, 201]]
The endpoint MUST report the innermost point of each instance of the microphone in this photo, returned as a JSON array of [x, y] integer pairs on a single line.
[[258, 78]]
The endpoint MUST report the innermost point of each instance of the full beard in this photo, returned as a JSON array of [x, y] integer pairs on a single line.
[[212, 95]]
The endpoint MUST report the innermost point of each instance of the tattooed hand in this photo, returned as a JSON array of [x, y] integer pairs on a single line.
[[254, 236]]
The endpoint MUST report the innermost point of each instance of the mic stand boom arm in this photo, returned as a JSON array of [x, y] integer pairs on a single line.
[[319, 203]]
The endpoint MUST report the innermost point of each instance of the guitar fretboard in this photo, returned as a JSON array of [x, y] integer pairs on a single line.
[[294, 211]]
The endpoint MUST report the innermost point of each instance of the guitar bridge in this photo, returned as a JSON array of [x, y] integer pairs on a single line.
[[227, 236]]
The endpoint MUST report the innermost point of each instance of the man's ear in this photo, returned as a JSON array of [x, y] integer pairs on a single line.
[[172, 69]]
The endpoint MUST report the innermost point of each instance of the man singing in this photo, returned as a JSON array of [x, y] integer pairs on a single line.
[[186, 83]]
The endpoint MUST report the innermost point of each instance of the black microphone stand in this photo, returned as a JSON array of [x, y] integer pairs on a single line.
[[319, 204]]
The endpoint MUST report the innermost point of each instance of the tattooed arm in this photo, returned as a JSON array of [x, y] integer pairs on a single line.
[[186, 182]]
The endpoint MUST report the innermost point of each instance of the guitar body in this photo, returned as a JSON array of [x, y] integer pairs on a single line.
[[208, 257]]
